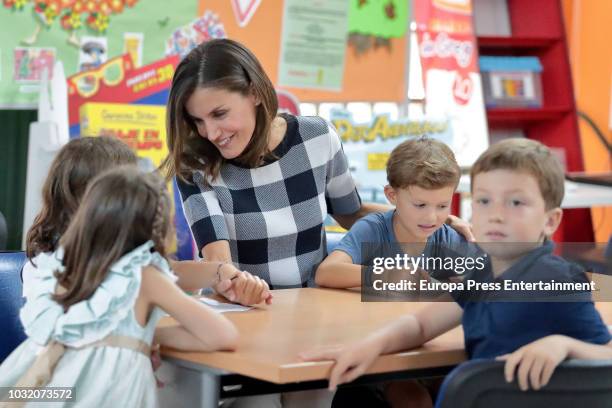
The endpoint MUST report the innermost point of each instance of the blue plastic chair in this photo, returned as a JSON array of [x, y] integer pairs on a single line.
[[11, 301], [481, 383]]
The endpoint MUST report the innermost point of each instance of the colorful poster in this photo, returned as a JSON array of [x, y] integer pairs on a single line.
[[142, 127], [30, 63], [449, 56], [368, 145], [117, 81], [186, 38], [60, 25], [313, 44]]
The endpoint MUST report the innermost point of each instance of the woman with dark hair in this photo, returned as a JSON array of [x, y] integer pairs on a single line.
[[256, 185]]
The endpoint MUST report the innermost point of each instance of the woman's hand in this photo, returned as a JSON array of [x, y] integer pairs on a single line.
[[242, 287], [462, 227], [535, 363], [250, 289], [224, 285], [350, 362]]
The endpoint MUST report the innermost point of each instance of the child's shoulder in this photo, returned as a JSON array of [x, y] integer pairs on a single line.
[[373, 225]]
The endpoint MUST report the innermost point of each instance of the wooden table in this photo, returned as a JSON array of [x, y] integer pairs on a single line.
[[299, 320]]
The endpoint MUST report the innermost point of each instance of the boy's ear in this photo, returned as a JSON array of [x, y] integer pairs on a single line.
[[553, 219], [391, 194]]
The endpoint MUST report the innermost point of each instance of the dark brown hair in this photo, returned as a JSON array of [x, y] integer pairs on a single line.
[[223, 64], [422, 162], [529, 157], [76, 164], [122, 209]]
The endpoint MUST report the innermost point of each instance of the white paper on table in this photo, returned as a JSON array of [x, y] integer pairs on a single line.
[[224, 307]]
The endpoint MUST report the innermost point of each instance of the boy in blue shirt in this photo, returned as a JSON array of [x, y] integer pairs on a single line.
[[423, 175], [517, 189]]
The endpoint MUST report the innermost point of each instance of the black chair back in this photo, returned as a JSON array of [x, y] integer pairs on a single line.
[[574, 384]]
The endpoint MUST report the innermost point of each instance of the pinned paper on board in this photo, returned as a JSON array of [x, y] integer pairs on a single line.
[[93, 52], [30, 62], [244, 10], [132, 45], [186, 38]]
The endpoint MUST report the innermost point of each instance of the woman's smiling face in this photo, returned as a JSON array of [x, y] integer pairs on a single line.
[[225, 118]]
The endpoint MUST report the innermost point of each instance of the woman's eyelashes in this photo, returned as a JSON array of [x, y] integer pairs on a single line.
[[219, 114]]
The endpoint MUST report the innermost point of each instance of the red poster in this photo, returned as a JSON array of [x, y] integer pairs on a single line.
[[446, 41], [117, 81]]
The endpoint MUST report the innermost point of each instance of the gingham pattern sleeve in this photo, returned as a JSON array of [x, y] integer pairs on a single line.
[[340, 191], [202, 211]]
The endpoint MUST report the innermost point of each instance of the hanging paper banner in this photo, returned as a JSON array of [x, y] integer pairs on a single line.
[[448, 52]]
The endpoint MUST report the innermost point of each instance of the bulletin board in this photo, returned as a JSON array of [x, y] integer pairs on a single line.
[[376, 75], [151, 20]]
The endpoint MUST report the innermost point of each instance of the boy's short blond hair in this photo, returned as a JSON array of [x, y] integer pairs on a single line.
[[423, 162], [525, 156]]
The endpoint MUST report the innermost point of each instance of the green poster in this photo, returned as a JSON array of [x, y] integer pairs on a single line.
[[34, 42], [380, 18]]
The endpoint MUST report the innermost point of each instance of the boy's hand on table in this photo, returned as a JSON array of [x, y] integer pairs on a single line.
[[535, 363], [350, 361]]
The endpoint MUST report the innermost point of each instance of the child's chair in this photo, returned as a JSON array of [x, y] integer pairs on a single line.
[[11, 301], [481, 383]]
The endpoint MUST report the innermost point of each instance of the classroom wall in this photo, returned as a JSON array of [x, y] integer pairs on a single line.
[[588, 29], [378, 75]]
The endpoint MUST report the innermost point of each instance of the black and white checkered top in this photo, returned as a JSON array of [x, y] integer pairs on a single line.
[[273, 215]]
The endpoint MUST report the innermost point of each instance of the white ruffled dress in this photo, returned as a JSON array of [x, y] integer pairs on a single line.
[[102, 376]]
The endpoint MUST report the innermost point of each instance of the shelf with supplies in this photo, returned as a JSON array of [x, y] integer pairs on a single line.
[[528, 28]]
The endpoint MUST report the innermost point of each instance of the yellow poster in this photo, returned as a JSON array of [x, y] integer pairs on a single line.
[[142, 127]]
